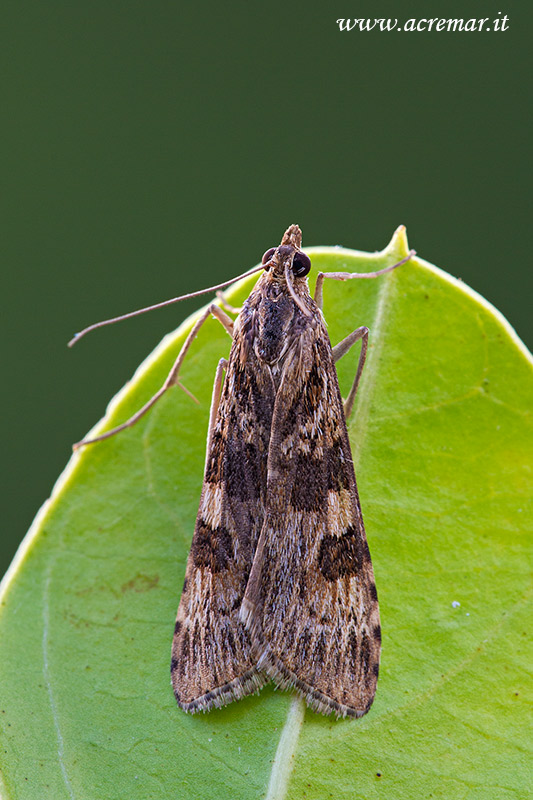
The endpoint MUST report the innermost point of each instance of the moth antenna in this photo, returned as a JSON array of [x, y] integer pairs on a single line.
[[297, 300], [78, 336]]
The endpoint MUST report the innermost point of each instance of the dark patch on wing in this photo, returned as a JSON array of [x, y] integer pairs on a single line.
[[263, 404], [211, 547], [182, 662], [196, 639], [365, 653], [309, 492], [291, 419], [339, 467], [255, 475], [313, 391], [215, 462], [341, 556], [244, 473], [251, 399]]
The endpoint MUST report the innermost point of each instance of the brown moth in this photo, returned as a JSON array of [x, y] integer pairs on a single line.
[[279, 582]]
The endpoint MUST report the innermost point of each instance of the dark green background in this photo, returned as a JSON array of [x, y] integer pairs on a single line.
[[150, 149]]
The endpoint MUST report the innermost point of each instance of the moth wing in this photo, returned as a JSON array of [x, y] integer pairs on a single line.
[[212, 660], [311, 603]]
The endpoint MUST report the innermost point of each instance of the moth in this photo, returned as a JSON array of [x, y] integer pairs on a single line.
[[279, 582]]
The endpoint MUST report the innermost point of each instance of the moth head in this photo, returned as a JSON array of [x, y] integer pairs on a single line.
[[288, 253]]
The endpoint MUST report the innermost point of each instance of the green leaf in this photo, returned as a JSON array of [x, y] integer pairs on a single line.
[[441, 439]]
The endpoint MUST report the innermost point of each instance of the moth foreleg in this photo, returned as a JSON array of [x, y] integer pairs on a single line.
[[346, 276], [341, 349], [172, 378]]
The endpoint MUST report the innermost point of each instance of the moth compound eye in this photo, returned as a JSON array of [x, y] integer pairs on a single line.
[[268, 255], [301, 265]]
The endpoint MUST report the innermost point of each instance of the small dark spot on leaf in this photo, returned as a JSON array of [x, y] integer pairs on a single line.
[[140, 583]]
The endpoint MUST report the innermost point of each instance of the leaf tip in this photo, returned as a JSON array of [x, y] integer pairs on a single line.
[[398, 243]]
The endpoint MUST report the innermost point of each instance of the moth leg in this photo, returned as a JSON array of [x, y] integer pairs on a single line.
[[172, 379], [346, 276], [215, 402], [318, 296], [341, 349], [224, 303]]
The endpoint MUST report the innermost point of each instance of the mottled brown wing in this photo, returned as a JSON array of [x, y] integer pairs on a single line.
[[311, 602], [212, 662]]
